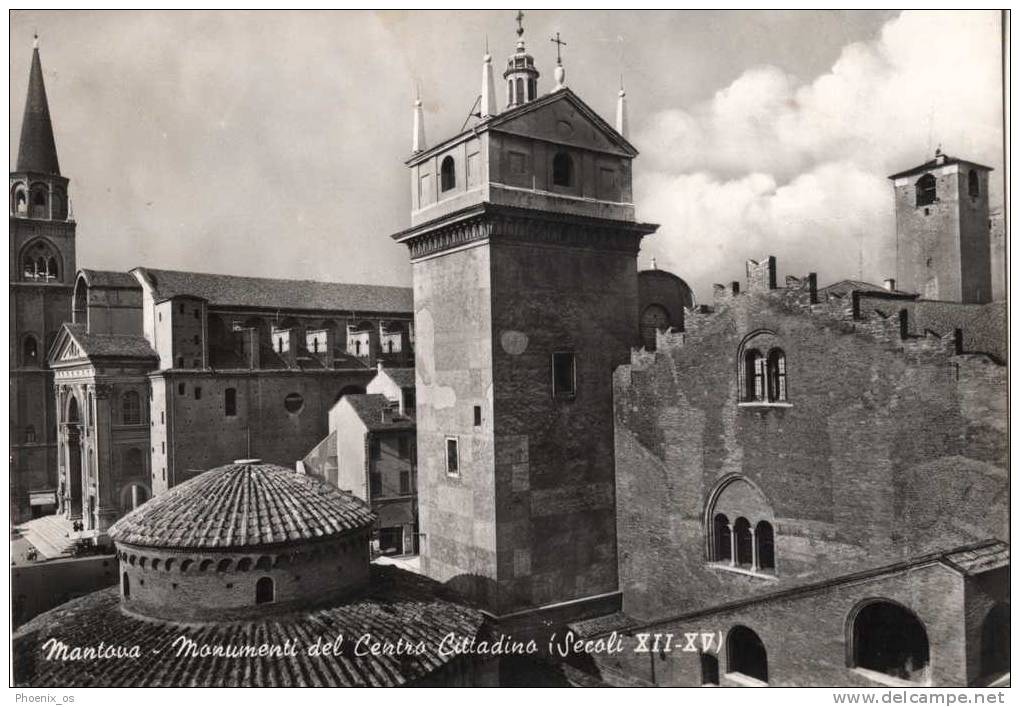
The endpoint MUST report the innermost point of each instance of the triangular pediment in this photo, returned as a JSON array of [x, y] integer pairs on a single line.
[[65, 349], [564, 118]]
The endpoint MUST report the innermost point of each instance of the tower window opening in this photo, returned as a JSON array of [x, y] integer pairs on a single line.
[[721, 538], [230, 402], [531, 89], [563, 170], [744, 543], [777, 375], [452, 457], [924, 190], [754, 371], [31, 351], [520, 90], [973, 184], [447, 174]]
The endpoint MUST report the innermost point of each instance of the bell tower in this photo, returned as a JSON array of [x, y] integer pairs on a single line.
[[521, 75], [42, 269], [523, 244]]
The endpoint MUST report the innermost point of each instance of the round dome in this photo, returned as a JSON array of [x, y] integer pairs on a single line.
[[243, 504]]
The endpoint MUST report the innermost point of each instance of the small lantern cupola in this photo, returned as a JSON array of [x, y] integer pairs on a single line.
[[521, 75]]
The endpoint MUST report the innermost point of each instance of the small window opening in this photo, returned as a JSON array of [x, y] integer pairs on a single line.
[[563, 170], [478, 415], [447, 174], [230, 402], [452, 457], [264, 591], [564, 374]]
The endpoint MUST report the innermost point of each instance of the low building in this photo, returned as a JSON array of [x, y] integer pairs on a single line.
[[161, 373], [244, 556], [371, 452]]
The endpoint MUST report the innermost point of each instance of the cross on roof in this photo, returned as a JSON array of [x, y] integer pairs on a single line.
[[520, 22], [559, 43]]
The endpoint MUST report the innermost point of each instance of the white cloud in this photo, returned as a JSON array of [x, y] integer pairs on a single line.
[[770, 165]]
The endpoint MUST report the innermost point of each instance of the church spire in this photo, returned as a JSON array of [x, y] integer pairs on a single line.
[[621, 111], [37, 151]]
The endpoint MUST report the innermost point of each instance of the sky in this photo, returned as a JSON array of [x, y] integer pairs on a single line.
[[272, 143]]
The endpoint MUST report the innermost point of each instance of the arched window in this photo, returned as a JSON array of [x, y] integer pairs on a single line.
[[131, 408], [995, 643], [39, 202], [447, 174], [654, 318], [30, 351], [563, 170], [888, 638], [531, 89], [230, 402], [722, 541], [973, 184], [520, 90], [754, 375], [924, 190], [19, 200], [745, 547], [709, 669], [745, 654], [510, 98], [264, 592], [764, 538], [125, 585], [777, 375], [39, 261]]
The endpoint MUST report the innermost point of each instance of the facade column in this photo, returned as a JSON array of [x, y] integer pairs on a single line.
[[754, 552], [733, 545], [106, 510]]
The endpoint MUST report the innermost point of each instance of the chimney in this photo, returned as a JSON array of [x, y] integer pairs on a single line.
[[889, 284]]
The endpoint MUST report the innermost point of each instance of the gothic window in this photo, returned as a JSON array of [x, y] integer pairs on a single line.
[[30, 351], [764, 538], [924, 190], [131, 408], [19, 201], [888, 638], [564, 374], [744, 543], [722, 547], [973, 184], [777, 375], [230, 402], [39, 201], [745, 654], [754, 375], [264, 591], [39, 262], [447, 174], [563, 170]]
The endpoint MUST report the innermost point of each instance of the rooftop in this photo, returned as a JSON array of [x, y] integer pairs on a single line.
[[398, 605], [276, 294], [110, 345], [243, 504], [109, 278], [845, 287], [403, 377], [370, 409], [939, 161]]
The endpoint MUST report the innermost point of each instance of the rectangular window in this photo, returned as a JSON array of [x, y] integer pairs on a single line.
[[196, 314], [230, 402], [404, 447], [182, 308], [163, 447], [405, 483], [198, 393], [478, 415], [375, 483], [374, 450], [162, 417], [564, 374], [452, 457], [180, 389]]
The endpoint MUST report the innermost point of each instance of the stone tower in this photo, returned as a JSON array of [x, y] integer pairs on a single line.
[[523, 246], [42, 270], [943, 246]]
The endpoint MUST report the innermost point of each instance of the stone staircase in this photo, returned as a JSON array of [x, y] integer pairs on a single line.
[[50, 535]]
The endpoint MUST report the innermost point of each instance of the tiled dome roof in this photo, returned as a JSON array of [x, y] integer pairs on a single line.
[[243, 504]]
